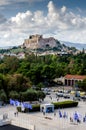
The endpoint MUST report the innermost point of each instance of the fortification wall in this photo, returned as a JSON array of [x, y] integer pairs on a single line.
[[37, 41]]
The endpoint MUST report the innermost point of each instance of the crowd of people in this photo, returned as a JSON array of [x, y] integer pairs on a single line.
[[75, 118]]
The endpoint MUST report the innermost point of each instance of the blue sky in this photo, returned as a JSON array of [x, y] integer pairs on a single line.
[[63, 19]]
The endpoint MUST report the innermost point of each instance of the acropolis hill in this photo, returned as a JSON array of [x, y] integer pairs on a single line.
[[37, 41], [40, 44]]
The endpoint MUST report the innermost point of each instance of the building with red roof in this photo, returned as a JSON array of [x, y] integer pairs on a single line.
[[70, 80]]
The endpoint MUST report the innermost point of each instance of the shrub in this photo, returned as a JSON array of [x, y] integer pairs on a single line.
[[34, 108], [32, 95], [65, 104], [19, 109]]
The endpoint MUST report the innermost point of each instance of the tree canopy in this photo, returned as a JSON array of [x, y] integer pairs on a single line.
[[18, 75]]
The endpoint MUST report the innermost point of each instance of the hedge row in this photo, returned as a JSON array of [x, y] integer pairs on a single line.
[[35, 108], [64, 104]]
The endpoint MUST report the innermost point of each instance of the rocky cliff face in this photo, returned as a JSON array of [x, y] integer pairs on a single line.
[[37, 41]]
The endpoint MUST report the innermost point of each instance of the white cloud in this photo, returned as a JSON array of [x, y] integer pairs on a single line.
[[61, 23], [63, 9], [22, 18], [7, 2]]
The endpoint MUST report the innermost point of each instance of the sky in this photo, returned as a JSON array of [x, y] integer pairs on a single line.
[[64, 20]]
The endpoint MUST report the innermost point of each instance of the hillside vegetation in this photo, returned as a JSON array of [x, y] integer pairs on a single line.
[[17, 76]]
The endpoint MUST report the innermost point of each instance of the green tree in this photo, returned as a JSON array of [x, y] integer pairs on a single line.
[[3, 96], [14, 95], [11, 64], [82, 84], [18, 82]]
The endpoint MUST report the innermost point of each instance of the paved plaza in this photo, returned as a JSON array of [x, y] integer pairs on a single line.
[[49, 121], [53, 122]]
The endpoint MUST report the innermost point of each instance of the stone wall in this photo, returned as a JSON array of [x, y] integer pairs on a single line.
[[37, 41]]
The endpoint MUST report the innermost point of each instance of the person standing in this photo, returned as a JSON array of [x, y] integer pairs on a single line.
[[17, 113]]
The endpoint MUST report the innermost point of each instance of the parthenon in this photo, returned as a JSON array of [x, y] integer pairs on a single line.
[[37, 41]]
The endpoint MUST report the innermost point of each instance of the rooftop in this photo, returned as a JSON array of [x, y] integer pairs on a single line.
[[11, 127], [68, 76]]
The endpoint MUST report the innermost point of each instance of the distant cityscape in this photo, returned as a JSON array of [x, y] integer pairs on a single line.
[[39, 45]]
